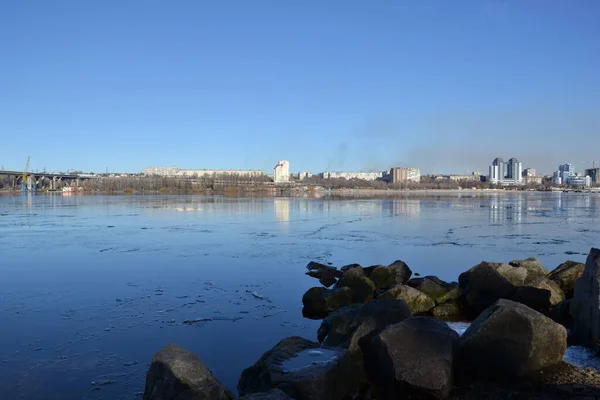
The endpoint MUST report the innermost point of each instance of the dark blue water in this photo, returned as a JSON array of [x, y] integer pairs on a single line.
[[92, 286]]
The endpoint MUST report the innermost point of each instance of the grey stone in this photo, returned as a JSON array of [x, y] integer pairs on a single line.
[[438, 290], [178, 374], [482, 286], [363, 289], [556, 293], [510, 339], [302, 369], [534, 268], [319, 301], [450, 311], [417, 301], [566, 274], [414, 357], [585, 306]]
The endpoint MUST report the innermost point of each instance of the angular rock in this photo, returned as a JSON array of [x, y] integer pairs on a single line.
[[349, 266], [318, 301], [561, 313], [417, 301], [327, 275], [585, 306], [413, 358], [302, 369], [350, 326], [482, 286], [537, 299], [176, 373], [450, 311], [275, 394], [534, 268], [402, 271], [565, 275], [510, 339], [347, 326], [363, 289], [556, 293], [438, 290]]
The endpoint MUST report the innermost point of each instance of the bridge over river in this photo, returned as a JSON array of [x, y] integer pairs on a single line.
[[39, 178]]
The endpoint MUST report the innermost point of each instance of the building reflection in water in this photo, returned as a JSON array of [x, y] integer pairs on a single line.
[[406, 207], [282, 209], [506, 209]]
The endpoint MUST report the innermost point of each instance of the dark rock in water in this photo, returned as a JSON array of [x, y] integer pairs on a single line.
[[301, 369], [176, 373], [561, 313], [275, 394], [326, 274], [362, 287], [556, 293], [537, 299], [414, 357], [565, 275], [534, 268], [347, 326], [349, 266], [369, 270], [510, 339], [482, 286], [438, 290], [585, 306], [318, 301], [390, 276], [450, 311], [417, 301]]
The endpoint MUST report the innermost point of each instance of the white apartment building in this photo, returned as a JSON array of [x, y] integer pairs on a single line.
[[367, 176], [281, 172]]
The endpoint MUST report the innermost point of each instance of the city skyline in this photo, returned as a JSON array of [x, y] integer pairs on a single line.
[[447, 86]]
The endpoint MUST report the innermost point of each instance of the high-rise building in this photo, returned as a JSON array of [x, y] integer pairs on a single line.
[[507, 173], [405, 175], [281, 172], [529, 173], [594, 174]]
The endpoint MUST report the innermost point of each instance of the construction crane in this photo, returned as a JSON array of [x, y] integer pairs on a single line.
[[25, 176]]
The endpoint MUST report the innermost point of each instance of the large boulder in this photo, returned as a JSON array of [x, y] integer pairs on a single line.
[[534, 268], [556, 293], [537, 299], [363, 289], [510, 339], [326, 274], [482, 286], [386, 277], [566, 274], [275, 394], [417, 301], [302, 369], [413, 358], [176, 373], [319, 301], [347, 326], [585, 306], [438, 290]]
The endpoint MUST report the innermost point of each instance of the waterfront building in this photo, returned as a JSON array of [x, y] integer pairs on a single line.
[[199, 173], [594, 174], [304, 175], [281, 172], [506, 173], [367, 176], [529, 172], [405, 175]]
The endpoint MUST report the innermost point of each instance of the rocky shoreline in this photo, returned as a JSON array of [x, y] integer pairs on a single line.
[[384, 336]]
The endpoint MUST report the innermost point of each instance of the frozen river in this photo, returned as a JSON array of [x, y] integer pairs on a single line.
[[92, 286]]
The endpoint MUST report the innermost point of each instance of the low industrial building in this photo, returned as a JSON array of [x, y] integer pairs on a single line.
[[199, 173], [366, 176]]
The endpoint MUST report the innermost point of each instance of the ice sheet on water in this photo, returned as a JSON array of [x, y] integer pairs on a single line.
[[578, 356]]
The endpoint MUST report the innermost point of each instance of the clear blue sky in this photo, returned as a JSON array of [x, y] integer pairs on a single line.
[[341, 85]]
